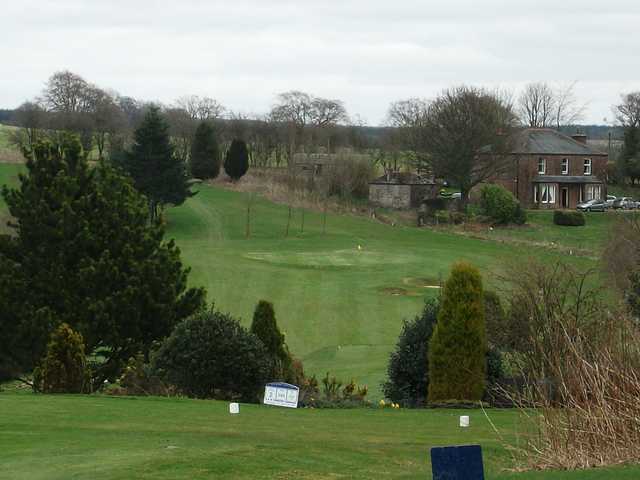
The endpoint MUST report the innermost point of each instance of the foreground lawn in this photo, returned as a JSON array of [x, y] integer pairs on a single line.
[[98, 437]]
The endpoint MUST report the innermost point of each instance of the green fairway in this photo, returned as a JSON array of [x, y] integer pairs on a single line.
[[98, 437], [340, 297]]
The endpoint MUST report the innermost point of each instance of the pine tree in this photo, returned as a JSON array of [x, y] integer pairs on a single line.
[[85, 253], [265, 327], [205, 157], [236, 162], [156, 171], [457, 364]]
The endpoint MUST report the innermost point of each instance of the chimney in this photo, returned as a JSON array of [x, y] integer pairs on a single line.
[[580, 138]]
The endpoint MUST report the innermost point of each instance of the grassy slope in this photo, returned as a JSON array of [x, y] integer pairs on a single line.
[[333, 301], [56, 437], [329, 296]]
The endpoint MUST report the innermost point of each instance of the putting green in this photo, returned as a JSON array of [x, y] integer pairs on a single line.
[[333, 258]]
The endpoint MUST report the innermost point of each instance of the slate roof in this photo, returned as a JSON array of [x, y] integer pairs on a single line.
[[402, 178], [566, 179], [545, 141]]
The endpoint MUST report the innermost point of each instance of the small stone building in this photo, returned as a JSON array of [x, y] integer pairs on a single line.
[[401, 190]]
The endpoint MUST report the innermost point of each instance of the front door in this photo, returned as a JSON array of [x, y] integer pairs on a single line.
[[564, 197]]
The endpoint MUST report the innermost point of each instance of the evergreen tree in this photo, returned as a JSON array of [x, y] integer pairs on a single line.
[[85, 253], [205, 157], [457, 364], [265, 327], [236, 162], [408, 370], [156, 171], [631, 153], [64, 368]]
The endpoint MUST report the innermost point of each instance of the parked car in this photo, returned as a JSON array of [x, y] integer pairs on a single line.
[[595, 205], [611, 199], [625, 203]]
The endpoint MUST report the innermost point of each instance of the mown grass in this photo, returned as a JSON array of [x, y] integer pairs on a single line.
[[108, 438], [340, 297]]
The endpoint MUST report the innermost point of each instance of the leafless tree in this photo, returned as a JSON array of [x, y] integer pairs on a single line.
[[409, 117], [201, 108], [31, 117], [537, 105], [182, 128], [542, 106], [108, 120], [302, 111], [467, 135], [67, 92], [628, 112]]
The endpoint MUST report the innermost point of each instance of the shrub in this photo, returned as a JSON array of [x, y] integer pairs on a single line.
[[458, 346], [265, 327], [63, 368], [408, 370], [210, 355], [501, 206], [205, 157], [236, 162], [139, 379], [495, 319], [334, 394], [568, 218]]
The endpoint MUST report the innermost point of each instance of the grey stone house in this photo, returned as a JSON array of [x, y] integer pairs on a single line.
[[401, 190]]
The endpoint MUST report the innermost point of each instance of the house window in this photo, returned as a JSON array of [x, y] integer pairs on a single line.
[[592, 192], [542, 166], [587, 166], [544, 193], [565, 166]]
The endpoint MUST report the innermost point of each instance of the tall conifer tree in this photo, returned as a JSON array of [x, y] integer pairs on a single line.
[[205, 156]]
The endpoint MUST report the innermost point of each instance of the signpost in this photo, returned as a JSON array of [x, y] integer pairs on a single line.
[[281, 395]]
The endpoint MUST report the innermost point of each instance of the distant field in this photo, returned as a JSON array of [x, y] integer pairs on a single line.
[[109, 438]]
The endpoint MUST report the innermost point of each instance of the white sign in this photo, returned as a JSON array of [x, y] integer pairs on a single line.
[[281, 395]]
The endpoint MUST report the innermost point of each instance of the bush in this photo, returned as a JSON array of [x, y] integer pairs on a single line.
[[139, 379], [236, 162], [568, 218], [501, 206], [408, 370], [495, 319], [348, 178], [334, 394], [265, 327], [458, 346], [63, 369], [210, 355]]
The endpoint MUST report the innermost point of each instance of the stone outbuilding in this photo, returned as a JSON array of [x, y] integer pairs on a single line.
[[401, 190]]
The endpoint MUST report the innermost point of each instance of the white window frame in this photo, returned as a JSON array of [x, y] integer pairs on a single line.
[[542, 162], [587, 166], [545, 193], [565, 166], [593, 191]]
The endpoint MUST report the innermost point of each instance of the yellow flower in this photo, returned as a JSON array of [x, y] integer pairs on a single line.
[[382, 404]]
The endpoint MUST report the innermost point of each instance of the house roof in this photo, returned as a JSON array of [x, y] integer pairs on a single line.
[[566, 179], [402, 178], [545, 141]]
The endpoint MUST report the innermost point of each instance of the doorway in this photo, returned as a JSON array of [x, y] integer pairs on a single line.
[[564, 197]]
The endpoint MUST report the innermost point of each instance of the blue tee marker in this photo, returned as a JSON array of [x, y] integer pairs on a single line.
[[457, 463]]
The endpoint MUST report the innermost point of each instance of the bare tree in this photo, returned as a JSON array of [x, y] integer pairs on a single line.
[[201, 108], [31, 116], [543, 106], [108, 120], [568, 110], [409, 118], [537, 105], [467, 135], [182, 128], [628, 112]]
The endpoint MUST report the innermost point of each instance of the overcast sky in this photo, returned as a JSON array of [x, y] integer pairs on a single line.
[[364, 52]]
